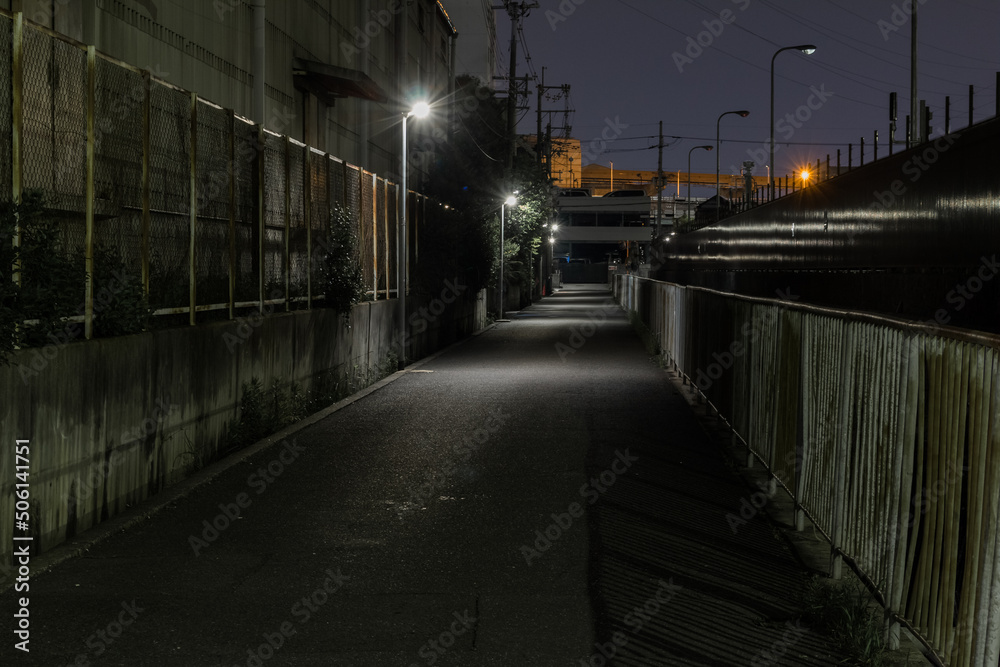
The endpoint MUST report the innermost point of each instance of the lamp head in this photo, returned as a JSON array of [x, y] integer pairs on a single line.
[[743, 113], [510, 201], [807, 49], [420, 110], [707, 148]]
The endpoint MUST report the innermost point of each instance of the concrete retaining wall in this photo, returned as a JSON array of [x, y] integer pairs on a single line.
[[113, 421]]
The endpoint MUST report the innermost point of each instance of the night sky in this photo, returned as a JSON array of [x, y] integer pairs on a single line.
[[627, 63]]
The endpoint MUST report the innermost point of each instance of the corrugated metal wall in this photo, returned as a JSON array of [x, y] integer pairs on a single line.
[[903, 235], [887, 433]]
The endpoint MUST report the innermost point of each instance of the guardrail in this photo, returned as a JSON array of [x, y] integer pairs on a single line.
[[885, 432]]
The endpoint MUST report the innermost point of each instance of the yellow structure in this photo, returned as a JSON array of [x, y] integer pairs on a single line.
[[566, 160], [601, 179]]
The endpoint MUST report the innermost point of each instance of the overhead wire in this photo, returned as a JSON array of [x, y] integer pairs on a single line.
[[850, 76], [742, 60], [830, 33], [728, 141], [927, 45], [527, 53], [473, 138]]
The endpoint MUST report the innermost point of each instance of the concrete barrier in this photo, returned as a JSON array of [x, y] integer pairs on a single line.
[[111, 422]]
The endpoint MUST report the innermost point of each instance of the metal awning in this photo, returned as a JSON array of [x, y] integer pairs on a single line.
[[330, 82]]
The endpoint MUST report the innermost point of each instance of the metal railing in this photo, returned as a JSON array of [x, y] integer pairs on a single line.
[[885, 432], [212, 211]]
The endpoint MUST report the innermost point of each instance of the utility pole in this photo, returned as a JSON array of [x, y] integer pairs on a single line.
[[659, 182], [562, 94], [915, 125], [538, 130], [892, 121], [516, 11]]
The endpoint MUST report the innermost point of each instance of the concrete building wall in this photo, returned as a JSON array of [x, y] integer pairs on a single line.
[[207, 46], [477, 38]]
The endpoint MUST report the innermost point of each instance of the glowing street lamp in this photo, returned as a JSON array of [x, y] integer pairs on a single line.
[[510, 201], [807, 49], [419, 110]]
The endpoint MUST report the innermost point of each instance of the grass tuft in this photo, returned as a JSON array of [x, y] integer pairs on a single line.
[[845, 612]]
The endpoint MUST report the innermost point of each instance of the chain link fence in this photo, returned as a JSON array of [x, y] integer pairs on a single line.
[[211, 212]]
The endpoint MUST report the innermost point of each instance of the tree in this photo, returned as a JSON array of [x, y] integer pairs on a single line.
[[466, 173]]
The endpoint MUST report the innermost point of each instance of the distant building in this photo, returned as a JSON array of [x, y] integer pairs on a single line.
[[567, 163], [337, 72], [566, 158], [599, 228]]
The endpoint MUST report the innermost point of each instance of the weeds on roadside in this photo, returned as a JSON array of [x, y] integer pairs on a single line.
[[843, 611], [266, 410]]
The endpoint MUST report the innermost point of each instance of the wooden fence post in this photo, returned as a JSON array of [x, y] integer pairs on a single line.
[[88, 242], [193, 210], [147, 84], [17, 125], [231, 123]]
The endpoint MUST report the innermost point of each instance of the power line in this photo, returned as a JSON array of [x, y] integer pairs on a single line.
[[829, 33], [742, 60], [927, 45]]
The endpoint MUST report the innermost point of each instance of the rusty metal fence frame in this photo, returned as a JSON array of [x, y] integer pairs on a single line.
[[885, 433], [189, 193]]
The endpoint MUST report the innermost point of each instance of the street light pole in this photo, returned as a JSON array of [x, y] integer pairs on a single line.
[[807, 49], [510, 201], [500, 304], [707, 148], [742, 113], [420, 110]]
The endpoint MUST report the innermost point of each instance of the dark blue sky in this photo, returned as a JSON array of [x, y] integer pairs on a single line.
[[631, 62]]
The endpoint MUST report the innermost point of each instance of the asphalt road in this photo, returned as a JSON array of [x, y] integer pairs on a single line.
[[537, 495]]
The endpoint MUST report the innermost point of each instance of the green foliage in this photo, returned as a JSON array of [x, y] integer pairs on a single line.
[[339, 274], [844, 612], [264, 411], [52, 279], [524, 225], [53, 283], [468, 175], [120, 306]]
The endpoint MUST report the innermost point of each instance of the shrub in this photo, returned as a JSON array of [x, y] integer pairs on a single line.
[[340, 277]]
